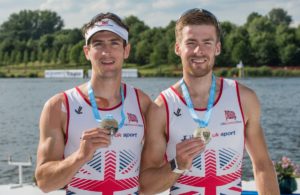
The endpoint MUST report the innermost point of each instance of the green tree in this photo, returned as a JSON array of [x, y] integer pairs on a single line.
[[66, 37], [53, 55], [172, 56], [224, 59], [40, 55], [279, 16], [287, 45], [146, 45], [298, 35], [262, 41], [13, 57], [1, 57], [30, 24], [265, 49], [62, 55], [6, 58], [143, 50], [25, 57], [290, 55], [237, 45], [33, 56], [251, 17], [136, 28], [46, 56], [76, 53], [46, 42], [159, 54], [7, 45]]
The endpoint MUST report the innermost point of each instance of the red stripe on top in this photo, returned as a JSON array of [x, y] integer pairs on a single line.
[[201, 109], [139, 104], [241, 108], [68, 117], [103, 109], [168, 122]]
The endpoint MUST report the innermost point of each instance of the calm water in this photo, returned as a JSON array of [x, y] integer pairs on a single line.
[[21, 102]]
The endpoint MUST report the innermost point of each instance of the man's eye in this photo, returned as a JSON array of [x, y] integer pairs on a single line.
[[208, 43], [97, 44], [190, 43], [115, 43]]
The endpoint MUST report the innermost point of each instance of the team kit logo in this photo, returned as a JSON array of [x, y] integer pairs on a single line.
[[132, 121], [230, 118]]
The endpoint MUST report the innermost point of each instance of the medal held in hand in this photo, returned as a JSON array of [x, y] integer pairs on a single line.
[[110, 124], [203, 133]]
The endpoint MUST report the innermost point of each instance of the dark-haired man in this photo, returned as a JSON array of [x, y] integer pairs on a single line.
[[76, 149]]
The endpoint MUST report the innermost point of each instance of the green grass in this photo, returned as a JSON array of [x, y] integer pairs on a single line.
[[150, 70]]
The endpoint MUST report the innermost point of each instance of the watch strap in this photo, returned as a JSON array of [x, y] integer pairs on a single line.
[[174, 167]]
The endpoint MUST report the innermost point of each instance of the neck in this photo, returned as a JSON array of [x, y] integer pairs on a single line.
[[106, 88], [198, 86], [199, 89]]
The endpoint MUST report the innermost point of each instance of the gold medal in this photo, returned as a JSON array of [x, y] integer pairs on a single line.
[[203, 133], [110, 124]]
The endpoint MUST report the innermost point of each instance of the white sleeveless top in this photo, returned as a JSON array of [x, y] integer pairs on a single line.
[[218, 169], [113, 170]]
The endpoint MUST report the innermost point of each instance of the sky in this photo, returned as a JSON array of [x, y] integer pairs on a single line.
[[154, 13]]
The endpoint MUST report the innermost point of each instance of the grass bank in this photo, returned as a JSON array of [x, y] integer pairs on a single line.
[[35, 70]]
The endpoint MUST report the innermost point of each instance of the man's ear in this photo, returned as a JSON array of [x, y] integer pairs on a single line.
[[127, 51], [86, 51], [218, 49], [177, 49]]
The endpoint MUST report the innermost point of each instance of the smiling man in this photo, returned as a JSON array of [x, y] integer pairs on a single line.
[[88, 140], [199, 127]]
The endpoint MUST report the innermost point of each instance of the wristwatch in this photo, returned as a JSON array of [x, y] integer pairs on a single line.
[[174, 167]]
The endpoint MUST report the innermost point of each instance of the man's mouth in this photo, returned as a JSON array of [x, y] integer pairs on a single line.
[[107, 62], [199, 60]]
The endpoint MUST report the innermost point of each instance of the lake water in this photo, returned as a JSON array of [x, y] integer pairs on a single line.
[[21, 102]]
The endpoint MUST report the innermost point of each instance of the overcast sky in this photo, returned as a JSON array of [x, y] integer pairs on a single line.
[[154, 13]]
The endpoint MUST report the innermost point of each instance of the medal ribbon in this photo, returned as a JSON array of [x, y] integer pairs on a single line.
[[187, 98], [95, 108]]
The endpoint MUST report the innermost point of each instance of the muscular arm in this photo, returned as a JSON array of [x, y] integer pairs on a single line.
[[156, 175], [52, 171], [264, 173]]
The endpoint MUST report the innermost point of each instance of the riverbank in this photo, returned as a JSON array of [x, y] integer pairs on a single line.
[[38, 71]]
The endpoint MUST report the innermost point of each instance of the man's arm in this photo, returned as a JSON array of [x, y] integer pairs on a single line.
[[263, 169], [156, 174], [52, 171]]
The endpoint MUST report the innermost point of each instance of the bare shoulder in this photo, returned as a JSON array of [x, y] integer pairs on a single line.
[[157, 112], [55, 101], [54, 114]]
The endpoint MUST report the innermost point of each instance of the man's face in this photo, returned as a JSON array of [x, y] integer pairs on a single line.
[[198, 48], [106, 52]]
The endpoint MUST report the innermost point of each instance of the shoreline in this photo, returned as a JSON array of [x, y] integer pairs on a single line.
[[161, 71]]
